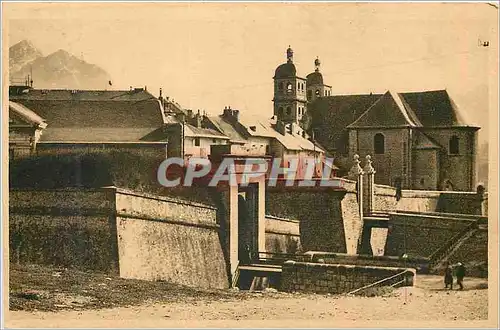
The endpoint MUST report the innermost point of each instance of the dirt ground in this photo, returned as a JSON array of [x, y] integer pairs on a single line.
[[175, 306]]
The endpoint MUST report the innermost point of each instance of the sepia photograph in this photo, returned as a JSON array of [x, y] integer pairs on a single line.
[[250, 164]]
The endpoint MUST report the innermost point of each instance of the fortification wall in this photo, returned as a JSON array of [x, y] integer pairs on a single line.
[[429, 201], [335, 278], [329, 220], [164, 239], [419, 235], [65, 227], [282, 235]]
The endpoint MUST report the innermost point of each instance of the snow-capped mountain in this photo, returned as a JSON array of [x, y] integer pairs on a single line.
[[60, 69]]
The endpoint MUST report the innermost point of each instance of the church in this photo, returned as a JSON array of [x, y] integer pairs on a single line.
[[416, 138]]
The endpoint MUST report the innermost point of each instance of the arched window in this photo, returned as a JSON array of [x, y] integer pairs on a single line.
[[309, 94], [379, 144], [289, 88], [454, 145], [280, 86], [317, 92], [280, 111], [289, 111]]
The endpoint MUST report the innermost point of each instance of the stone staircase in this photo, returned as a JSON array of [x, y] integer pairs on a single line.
[[439, 257]]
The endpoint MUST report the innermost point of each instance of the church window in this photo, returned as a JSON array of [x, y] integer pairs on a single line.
[[379, 144], [280, 86], [289, 111], [317, 92], [454, 145], [289, 88], [309, 94], [280, 111]]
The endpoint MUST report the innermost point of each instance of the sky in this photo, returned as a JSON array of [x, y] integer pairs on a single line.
[[210, 55]]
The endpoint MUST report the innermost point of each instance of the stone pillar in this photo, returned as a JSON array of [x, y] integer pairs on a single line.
[[261, 215], [356, 174], [369, 186], [233, 228]]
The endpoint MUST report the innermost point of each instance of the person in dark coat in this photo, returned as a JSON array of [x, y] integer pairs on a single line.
[[448, 276], [460, 275]]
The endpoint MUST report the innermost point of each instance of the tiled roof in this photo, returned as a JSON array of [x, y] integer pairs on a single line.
[[193, 131], [26, 114], [101, 134], [227, 129], [423, 141], [434, 108], [94, 116], [388, 111], [289, 141], [331, 115], [82, 95]]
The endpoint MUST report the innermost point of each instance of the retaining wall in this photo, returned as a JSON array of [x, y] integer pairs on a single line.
[[335, 278]]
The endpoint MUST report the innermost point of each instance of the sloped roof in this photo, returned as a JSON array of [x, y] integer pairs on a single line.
[[331, 115], [388, 111], [289, 141], [95, 116], [193, 131], [422, 142], [434, 109], [138, 94], [226, 128], [25, 114]]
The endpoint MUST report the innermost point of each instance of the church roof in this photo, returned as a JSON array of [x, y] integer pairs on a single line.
[[388, 111], [94, 116], [286, 70], [332, 114], [417, 109], [434, 108], [314, 78]]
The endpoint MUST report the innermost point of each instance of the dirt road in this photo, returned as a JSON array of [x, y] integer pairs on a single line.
[[427, 302]]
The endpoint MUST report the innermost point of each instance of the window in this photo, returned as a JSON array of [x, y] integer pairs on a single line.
[[289, 111], [214, 140], [280, 86], [379, 144], [317, 92], [289, 88], [197, 142], [454, 145], [309, 94], [280, 112]]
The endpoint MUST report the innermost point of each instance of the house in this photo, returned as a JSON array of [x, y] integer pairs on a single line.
[[86, 120], [417, 138]]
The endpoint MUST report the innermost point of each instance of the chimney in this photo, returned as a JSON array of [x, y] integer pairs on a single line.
[[198, 119], [280, 127], [189, 113], [161, 96], [231, 115]]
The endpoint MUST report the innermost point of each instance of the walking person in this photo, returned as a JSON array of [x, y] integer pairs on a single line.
[[448, 276], [460, 275]]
